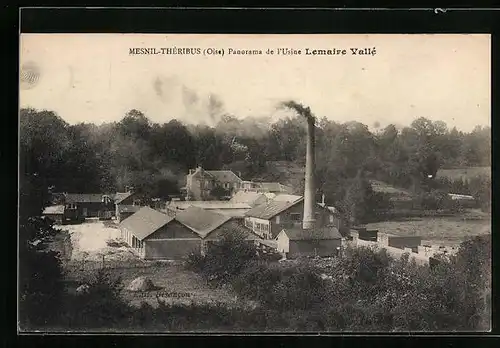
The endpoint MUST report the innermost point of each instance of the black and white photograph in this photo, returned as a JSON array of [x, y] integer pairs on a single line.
[[233, 183]]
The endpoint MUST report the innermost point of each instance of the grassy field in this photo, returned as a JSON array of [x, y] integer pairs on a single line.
[[173, 283], [435, 230], [464, 173]]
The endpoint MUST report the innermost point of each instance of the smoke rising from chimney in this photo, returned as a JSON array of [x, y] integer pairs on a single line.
[[309, 190]]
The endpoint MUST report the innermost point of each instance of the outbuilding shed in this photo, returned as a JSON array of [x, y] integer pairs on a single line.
[[155, 235], [55, 213], [295, 242], [211, 226]]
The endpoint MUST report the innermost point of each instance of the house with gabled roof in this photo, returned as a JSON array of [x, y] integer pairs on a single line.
[[126, 203], [155, 235], [200, 183], [79, 206], [268, 219]]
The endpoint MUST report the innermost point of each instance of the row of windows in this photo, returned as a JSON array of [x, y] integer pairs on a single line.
[[261, 227], [136, 243], [295, 217]]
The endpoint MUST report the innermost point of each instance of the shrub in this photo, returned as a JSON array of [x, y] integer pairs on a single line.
[[224, 258], [434, 200], [101, 307], [195, 262], [40, 275]]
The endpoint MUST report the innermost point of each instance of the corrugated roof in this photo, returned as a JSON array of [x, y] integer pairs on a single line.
[[145, 222], [200, 220], [54, 209], [322, 233], [224, 175], [268, 210]]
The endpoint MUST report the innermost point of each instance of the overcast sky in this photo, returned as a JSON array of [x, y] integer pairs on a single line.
[[92, 77]]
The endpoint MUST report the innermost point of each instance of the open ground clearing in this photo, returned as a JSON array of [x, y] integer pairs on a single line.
[[174, 284]]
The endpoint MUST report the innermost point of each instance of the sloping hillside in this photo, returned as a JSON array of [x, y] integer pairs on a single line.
[[464, 173], [382, 187], [284, 172]]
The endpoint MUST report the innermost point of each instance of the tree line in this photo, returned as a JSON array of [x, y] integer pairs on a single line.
[[155, 157]]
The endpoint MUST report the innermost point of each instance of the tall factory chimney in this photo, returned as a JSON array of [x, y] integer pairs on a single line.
[[309, 191], [309, 220]]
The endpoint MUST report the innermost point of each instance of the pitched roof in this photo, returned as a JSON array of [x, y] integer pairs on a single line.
[[208, 205], [145, 222], [268, 210], [54, 209], [84, 197], [128, 208], [236, 213], [120, 196], [274, 187], [322, 233], [246, 197], [200, 220], [283, 197], [269, 195], [224, 175]]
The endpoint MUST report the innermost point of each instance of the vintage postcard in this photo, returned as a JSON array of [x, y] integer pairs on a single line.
[[254, 183]]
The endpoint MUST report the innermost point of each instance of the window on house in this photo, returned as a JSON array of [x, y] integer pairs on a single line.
[[277, 219], [295, 217], [226, 185], [331, 219]]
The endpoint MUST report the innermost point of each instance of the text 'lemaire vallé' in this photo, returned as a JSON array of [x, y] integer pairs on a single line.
[[328, 52]]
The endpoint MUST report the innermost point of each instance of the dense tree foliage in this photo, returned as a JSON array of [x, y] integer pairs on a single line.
[[154, 158], [364, 290]]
